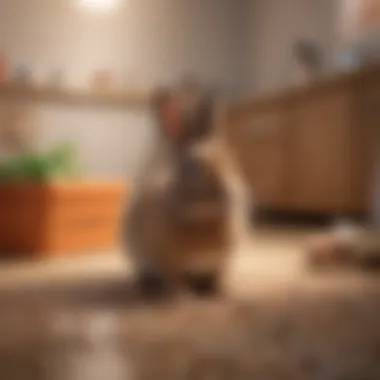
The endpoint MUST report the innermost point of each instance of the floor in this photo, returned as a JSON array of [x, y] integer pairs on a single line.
[[270, 254], [76, 319]]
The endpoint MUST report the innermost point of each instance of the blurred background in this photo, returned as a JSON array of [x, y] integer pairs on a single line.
[[301, 80], [243, 47]]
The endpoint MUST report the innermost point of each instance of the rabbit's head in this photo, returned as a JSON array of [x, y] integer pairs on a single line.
[[187, 122]]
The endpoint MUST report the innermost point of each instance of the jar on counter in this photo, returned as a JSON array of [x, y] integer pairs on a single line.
[[22, 75], [103, 81]]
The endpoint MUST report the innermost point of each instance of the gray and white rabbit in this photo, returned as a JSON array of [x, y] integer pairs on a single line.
[[188, 208]]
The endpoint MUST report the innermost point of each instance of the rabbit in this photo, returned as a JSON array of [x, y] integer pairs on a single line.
[[188, 207]]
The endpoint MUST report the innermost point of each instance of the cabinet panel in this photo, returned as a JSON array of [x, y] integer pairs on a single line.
[[367, 136], [261, 144], [313, 149], [322, 151]]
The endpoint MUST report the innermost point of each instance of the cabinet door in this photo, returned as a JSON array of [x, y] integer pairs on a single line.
[[368, 147], [322, 151], [260, 141]]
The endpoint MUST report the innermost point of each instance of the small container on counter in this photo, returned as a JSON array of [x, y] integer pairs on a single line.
[[103, 81], [22, 75], [56, 79]]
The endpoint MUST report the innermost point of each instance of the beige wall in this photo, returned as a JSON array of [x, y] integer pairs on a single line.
[[274, 25], [153, 41], [242, 45]]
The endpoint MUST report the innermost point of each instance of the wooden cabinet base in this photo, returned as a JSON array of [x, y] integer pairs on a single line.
[[311, 149], [60, 219]]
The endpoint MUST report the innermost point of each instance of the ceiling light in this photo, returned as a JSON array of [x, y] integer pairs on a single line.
[[99, 5]]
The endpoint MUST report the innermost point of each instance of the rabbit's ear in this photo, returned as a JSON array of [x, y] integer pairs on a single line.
[[170, 115]]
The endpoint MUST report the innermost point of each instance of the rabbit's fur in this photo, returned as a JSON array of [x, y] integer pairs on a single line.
[[186, 207]]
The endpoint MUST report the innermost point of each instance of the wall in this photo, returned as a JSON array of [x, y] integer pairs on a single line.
[[154, 41], [274, 25], [242, 45]]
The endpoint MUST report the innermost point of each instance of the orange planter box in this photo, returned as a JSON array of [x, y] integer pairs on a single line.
[[60, 219]]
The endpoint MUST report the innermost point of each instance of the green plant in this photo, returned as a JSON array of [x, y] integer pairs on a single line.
[[60, 162]]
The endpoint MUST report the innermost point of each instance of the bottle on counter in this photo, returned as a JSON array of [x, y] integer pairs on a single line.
[[103, 81], [307, 63], [22, 75]]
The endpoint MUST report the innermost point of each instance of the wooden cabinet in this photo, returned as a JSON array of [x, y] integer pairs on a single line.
[[310, 149], [60, 219], [322, 151], [262, 150], [368, 140]]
